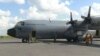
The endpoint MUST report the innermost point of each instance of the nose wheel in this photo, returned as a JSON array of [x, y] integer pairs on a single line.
[[26, 40], [23, 40], [75, 39], [69, 39]]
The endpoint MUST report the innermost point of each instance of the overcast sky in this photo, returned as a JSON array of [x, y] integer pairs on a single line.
[[12, 11]]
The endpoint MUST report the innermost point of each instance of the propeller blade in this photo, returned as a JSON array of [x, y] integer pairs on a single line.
[[72, 22], [71, 18], [88, 18], [89, 12]]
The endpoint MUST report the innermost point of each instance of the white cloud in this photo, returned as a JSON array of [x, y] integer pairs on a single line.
[[95, 9], [22, 11], [45, 9], [6, 24], [35, 14], [15, 1], [4, 17], [13, 20], [50, 5], [7, 21], [67, 2], [20, 1], [3, 13], [3, 22]]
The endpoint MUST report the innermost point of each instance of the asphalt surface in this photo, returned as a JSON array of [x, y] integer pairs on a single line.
[[14, 47]]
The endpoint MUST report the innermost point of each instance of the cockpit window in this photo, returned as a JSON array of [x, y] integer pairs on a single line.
[[22, 23]]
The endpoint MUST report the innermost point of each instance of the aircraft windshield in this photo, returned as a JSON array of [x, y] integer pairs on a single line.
[[20, 24]]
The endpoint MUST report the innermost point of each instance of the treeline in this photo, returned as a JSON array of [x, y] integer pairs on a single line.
[[5, 37]]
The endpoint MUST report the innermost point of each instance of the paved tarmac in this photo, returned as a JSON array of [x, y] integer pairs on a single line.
[[14, 47]]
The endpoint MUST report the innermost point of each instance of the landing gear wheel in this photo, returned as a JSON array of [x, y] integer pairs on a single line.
[[68, 39], [29, 40], [23, 40], [75, 39]]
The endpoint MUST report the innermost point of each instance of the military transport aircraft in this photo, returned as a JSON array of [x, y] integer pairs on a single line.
[[45, 29]]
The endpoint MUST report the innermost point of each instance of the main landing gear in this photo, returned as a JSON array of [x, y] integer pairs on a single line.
[[27, 40], [75, 39]]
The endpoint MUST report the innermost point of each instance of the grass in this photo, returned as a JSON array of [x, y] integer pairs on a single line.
[[6, 37]]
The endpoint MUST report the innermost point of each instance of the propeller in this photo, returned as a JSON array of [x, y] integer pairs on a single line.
[[72, 22], [73, 28], [88, 19]]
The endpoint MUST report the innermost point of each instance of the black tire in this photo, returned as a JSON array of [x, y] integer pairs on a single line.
[[69, 39], [75, 39], [28, 40], [23, 40]]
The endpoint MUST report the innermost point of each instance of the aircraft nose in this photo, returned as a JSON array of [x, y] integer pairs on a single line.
[[12, 32]]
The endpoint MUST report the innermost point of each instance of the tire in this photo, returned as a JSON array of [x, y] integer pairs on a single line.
[[69, 39], [75, 39], [23, 40]]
